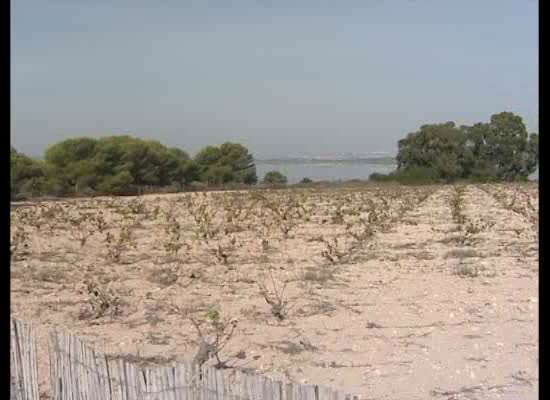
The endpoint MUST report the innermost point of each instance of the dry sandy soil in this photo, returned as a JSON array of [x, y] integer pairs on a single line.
[[428, 292]]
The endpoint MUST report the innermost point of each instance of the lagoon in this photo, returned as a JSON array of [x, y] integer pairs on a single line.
[[319, 171]]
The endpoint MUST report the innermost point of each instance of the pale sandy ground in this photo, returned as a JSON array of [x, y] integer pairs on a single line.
[[399, 323]]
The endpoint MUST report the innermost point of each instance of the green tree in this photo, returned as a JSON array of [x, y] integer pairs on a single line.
[[274, 178], [500, 149], [176, 167], [237, 157], [118, 163], [71, 160], [218, 175], [532, 153], [510, 146], [26, 175], [435, 146], [230, 162], [120, 182], [478, 160]]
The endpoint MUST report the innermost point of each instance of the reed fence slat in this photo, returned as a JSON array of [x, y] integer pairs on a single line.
[[23, 364], [78, 372]]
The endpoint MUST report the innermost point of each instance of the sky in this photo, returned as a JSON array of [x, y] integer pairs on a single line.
[[282, 77]]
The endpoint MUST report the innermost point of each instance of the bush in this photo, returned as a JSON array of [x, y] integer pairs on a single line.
[[378, 177], [87, 191], [306, 180], [174, 188], [482, 179], [198, 186], [409, 176], [274, 178], [416, 176], [116, 183]]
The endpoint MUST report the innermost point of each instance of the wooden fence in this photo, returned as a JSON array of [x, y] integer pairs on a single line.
[[77, 372], [23, 366]]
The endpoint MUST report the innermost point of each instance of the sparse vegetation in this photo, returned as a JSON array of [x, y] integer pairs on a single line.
[[118, 245], [274, 295], [274, 178], [288, 263], [101, 301], [19, 243], [220, 330], [457, 204]]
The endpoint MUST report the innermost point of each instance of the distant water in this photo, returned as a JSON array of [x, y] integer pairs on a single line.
[[329, 171]]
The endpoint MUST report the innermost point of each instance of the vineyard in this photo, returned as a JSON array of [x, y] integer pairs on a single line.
[[392, 292]]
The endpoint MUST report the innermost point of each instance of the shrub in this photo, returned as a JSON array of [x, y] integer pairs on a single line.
[[274, 178], [416, 175], [409, 176], [378, 177], [197, 185]]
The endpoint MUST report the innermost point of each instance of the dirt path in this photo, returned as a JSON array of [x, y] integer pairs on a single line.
[[420, 330]]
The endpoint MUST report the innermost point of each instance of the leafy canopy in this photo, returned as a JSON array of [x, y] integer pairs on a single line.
[[274, 178], [230, 162], [123, 163], [500, 149]]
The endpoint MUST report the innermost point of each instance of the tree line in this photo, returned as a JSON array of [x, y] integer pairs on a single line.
[[125, 164], [499, 150]]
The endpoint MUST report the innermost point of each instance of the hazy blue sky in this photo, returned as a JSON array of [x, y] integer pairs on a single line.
[[325, 76]]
